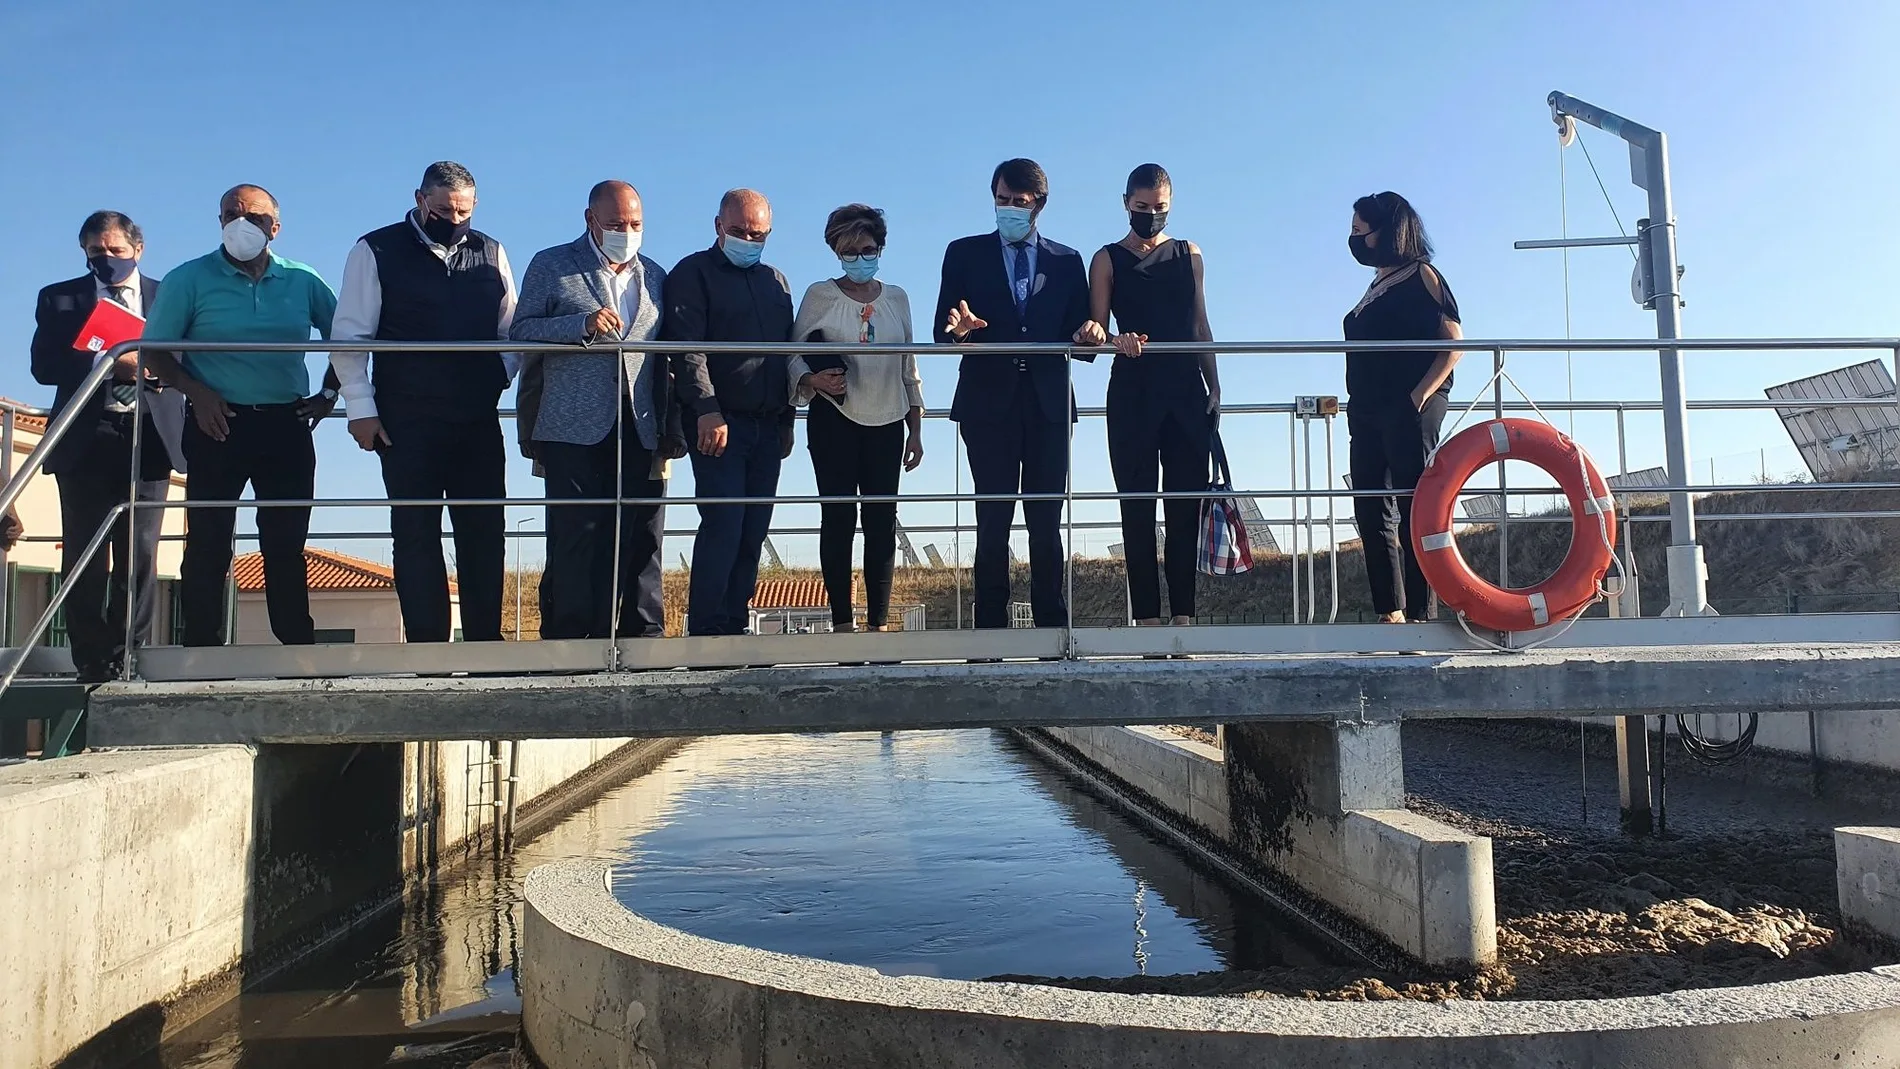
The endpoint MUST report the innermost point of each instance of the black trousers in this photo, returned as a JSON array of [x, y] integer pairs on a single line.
[[431, 457], [269, 449], [1388, 445], [1180, 439], [1026, 453], [577, 586], [98, 482], [848, 457]]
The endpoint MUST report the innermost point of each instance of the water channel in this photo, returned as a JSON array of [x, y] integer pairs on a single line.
[[955, 854]]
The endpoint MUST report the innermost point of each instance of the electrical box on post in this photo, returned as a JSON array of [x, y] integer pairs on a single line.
[[1316, 406]]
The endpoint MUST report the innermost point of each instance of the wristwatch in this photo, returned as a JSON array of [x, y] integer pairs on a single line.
[[329, 394]]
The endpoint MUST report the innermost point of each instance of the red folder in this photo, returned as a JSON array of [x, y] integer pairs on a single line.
[[109, 324]]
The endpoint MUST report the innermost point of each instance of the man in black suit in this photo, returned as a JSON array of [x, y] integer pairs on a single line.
[[1015, 410], [93, 462]]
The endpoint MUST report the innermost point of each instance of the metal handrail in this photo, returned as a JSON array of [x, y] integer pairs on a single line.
[[60, 424]]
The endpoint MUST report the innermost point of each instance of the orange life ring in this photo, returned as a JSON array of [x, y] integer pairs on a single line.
[[1592, 514]]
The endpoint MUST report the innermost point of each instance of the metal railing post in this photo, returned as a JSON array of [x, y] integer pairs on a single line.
[[956, 517], [1332, 532], [1068, 514], [1312, 588], [1504, 499], [620, 489], [128, 660], [1293, 527]]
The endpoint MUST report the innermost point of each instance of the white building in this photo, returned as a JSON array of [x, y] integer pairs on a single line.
[[33, 568], [799, 606], [351, 599]]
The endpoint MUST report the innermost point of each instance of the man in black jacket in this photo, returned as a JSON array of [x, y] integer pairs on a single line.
[[433, 417], [93, 462], [741, 405]]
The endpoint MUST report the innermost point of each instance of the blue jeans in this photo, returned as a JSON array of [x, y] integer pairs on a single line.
[[726, 549]]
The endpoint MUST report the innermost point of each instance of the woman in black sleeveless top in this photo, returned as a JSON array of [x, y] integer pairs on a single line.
[[1396, 400], [1161, 407]]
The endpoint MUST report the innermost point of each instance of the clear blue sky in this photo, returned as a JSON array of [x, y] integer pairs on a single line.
[[1271, 117]]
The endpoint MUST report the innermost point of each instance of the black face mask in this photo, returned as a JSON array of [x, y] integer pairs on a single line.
[[1364, 253], [1147, 224], [443, 232], [111, 270]]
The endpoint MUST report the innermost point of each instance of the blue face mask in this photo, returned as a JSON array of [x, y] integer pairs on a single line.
[[740, 252], [862, 271], [1014, 223]]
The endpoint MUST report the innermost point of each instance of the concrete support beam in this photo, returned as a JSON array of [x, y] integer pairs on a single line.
[[1323, 804], [828, 698], [1867, 875]]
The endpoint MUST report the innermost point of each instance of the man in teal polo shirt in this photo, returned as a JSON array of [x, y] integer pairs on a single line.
[[250, 419]]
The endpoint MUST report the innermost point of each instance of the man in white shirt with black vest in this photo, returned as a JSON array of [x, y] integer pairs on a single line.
[[432, 416]]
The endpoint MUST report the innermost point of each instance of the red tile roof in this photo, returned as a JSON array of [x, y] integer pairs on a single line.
[[773, 594], [326, 570], [22, 421]]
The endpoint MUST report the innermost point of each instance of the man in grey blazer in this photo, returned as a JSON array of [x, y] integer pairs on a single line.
[[598, 291]]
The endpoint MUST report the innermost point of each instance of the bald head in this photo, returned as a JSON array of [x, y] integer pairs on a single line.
[[611, 192], [744, 214], [245, 192], [613, 208]]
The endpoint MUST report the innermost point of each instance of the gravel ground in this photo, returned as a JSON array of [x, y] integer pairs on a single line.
[[1189, 732], [1740, 890]]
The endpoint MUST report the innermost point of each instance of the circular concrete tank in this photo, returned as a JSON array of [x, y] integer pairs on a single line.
[[603, 988]]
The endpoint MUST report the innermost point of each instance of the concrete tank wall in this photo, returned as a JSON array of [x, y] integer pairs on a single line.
[[126, 882], [140, 886], [1423, 886], [605, 989]]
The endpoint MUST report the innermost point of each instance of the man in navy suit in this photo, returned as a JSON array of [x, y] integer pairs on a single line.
[[93, 462], [1015, 410]]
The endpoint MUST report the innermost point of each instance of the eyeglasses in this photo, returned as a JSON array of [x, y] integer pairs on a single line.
[[854, 257]]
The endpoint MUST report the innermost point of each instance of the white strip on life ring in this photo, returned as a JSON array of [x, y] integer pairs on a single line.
[[1540, 613], [1500, 437], [1598, 505], [1441, 540]]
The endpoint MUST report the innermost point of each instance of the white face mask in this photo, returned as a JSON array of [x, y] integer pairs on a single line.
[[621, 246], [243, 240]]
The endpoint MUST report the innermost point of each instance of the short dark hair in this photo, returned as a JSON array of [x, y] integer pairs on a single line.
[[99, 222], [1023, 176], [1148, 176], [853, 220], [446, 174], [1401, 231]]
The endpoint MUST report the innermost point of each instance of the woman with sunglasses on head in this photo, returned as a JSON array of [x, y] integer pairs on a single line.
[[1396, 400], [1162, 407], [866, 412]]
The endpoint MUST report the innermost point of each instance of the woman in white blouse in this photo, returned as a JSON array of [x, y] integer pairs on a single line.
[[867, 412]]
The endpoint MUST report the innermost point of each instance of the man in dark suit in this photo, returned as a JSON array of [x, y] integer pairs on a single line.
[[93, 462], [1015, 410]]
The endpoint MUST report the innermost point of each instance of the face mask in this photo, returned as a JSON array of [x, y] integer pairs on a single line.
[[1147, 224], [111, 270], [244, 241], [621, 246], [864, 270], [1014, 223], [740, 252], [443, 231], [1364, 253]]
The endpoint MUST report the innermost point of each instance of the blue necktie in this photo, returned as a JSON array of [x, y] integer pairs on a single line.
[[1021, 272]]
